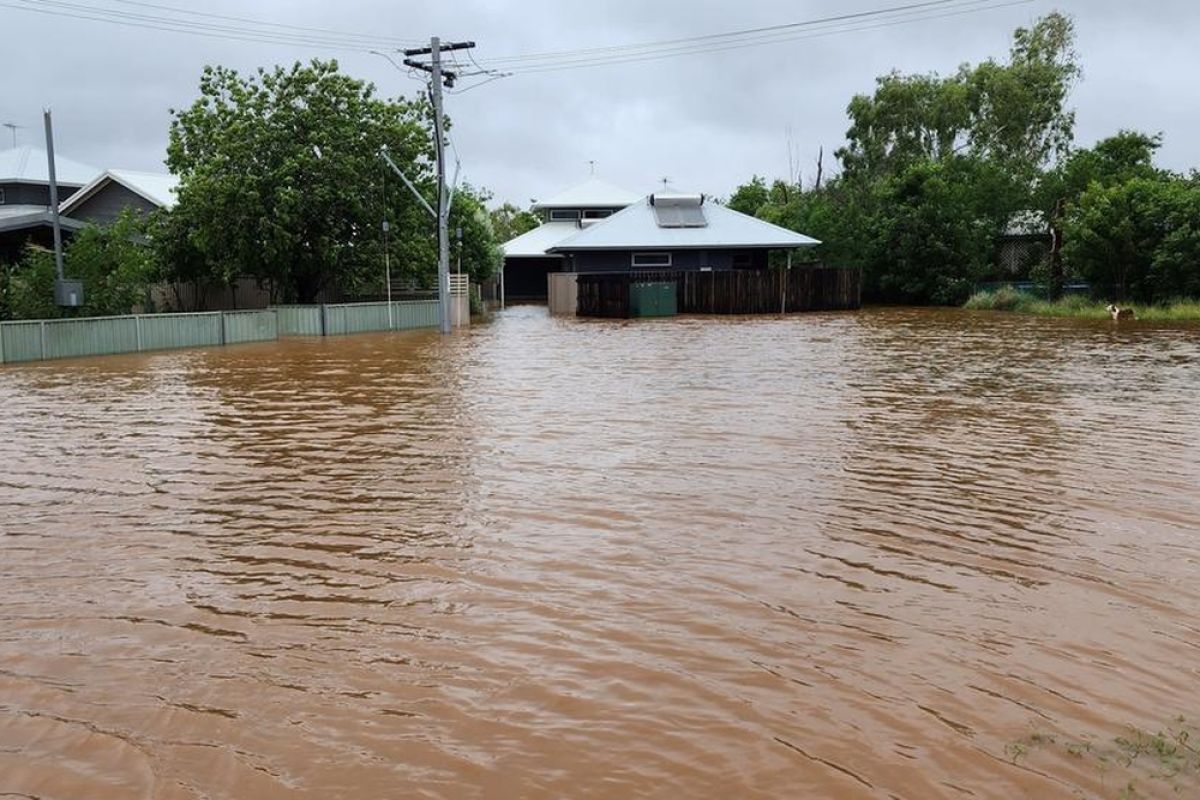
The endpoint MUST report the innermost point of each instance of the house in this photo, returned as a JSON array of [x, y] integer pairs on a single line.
[[527, 260], [25, 216], [676, 232], [1024, 245], [103, 199]]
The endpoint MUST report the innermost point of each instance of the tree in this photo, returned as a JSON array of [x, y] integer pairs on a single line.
[[750, 197], [114, 263], [1013, 113], [1139, 239], [281, 179], [479, 251], [509, 222]]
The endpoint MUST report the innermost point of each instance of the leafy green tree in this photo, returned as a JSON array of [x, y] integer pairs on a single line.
[[1012, 112], [509, 222], [281, 179], [115, 263], [1139, 239], [478, 251], [750, 197], [28, 286], [1115, 160]]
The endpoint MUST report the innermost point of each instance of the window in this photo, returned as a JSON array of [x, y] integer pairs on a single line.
[[1, 197], [651, 259], [742, 261], [563, 215], [596, 213]]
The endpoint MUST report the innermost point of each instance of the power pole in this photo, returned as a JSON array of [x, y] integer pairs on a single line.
[[58, 252], [438, 77]]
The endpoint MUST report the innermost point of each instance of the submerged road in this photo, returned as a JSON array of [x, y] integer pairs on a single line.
[[895, 553]]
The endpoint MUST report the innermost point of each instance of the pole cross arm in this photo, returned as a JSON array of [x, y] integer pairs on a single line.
[[407, 182]]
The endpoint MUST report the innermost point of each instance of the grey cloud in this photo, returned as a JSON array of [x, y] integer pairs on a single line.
[[707, 121]]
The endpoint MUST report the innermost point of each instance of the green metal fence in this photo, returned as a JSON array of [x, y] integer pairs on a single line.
[[300, 320], [250, 326], [95, 336], [337, 319], [34, 340]]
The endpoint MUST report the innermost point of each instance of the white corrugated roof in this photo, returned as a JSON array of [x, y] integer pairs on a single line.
[[157, 187], [592, 193], [28, 165], [636, 228], [540, 239]]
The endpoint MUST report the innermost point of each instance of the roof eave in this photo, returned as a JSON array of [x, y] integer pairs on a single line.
[[649, 247]]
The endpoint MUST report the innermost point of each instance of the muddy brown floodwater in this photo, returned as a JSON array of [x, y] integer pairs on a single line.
[[895, 553]]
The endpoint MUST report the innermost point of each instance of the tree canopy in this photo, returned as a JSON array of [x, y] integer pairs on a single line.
[[936, 169], [281, 180]]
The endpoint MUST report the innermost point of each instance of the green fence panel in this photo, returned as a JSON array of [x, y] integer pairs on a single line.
[[93, 336], [299, 320], [22, 340], [250, 326], [416, 314], [165, 331], [343, 318]]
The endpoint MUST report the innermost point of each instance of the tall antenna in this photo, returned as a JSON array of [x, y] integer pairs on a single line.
[[592, 165], [665, 182], [14, 127]]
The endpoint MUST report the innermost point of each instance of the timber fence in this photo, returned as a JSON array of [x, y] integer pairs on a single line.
[[802, 288], [34, 340]]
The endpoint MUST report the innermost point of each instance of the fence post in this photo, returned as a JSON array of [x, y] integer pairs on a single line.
[[222, 313], [1, 344], [42, 333], [324, 326], [137, 325]]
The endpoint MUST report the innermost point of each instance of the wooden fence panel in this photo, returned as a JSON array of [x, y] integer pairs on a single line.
[[728, 291]]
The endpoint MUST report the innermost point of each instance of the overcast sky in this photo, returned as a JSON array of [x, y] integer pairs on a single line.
[[707, 121]]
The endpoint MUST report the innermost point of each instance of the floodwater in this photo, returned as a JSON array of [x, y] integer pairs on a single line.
[[887, 554]]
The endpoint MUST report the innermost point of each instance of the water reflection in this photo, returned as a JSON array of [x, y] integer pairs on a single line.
[[848, 555]]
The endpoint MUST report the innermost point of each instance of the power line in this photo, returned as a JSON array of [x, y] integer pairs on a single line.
[[174, 24], [268, 24], [709, 38], [973, 6]]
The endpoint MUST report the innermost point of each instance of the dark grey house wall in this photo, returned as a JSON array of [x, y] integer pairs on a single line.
[[622, 260], [105, 205], [33, 194]]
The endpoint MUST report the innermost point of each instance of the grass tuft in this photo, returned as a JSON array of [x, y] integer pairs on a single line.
[[1008, 299]]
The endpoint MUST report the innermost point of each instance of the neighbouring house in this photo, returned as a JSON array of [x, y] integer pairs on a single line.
[[676, 232], [1023, 246], [527, 258], [103, 199], [25, 216]]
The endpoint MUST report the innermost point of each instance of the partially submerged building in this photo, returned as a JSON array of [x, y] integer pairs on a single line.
[[677, 232], [603, 251], [528, 258]]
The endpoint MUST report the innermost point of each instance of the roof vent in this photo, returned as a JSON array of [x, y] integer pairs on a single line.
[[678, 210]]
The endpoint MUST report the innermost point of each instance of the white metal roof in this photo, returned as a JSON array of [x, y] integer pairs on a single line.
[[157, 187], [537, 241], [592, 193], [635, 228], [28, 165]]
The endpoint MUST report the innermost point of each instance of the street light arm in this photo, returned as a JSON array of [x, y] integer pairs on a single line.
[[407, 182]]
